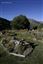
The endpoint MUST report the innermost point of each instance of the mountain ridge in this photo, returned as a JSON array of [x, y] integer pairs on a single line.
[[6, 24]]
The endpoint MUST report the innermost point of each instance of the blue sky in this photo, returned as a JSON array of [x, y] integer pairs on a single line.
[[30, 8]]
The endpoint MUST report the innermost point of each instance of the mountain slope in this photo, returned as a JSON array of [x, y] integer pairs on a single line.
[[4, 24], [34, 23]]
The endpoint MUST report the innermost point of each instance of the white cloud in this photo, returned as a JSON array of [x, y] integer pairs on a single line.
[[7, 2]]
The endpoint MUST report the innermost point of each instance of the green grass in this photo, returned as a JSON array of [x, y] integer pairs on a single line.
[[36, 57]]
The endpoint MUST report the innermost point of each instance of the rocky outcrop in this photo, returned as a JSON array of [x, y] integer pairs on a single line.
[[20, 47]]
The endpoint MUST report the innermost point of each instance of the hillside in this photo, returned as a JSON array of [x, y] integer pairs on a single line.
[[19, 22], [25, 43], [35, 57], [4, 24], [35, 23]]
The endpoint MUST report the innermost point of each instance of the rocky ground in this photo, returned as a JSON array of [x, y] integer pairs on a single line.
[[23, 42]]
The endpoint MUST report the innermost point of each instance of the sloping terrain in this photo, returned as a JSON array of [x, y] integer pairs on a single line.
[[4, 24], [36, 57], [19, 22], [34, 23], [33, 37]]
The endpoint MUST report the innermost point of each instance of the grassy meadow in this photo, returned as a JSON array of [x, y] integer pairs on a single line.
[[34, 36]]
